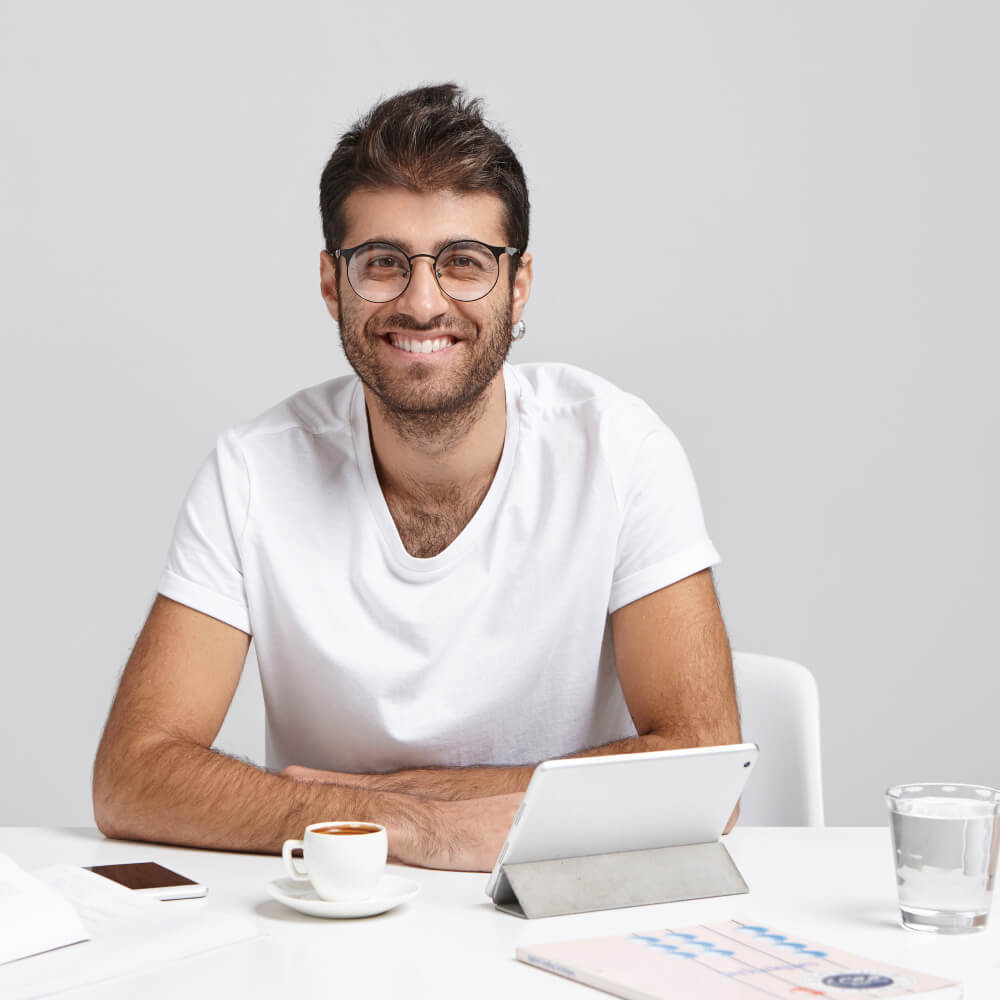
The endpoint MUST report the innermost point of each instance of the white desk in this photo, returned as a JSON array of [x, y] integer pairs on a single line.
[[834, 885]]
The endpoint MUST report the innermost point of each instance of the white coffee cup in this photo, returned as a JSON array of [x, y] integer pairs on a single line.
[[344, 859]]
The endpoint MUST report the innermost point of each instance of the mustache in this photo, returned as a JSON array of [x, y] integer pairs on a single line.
[[401, 321]]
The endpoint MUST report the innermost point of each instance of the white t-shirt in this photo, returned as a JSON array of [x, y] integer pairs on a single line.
[[495, 651]]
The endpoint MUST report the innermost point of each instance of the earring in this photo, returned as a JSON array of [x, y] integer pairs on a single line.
[[518, 330]]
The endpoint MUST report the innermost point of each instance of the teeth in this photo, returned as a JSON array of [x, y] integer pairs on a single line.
[[421, 346]]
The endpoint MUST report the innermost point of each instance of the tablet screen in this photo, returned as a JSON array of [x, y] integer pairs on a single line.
[[580, 806]]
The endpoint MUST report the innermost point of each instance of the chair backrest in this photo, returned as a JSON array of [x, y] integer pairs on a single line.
[[779, 711]]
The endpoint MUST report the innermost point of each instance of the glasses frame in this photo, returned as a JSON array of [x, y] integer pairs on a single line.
[[346, 253]]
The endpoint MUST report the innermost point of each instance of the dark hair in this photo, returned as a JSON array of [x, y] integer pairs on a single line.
[[426, 139]]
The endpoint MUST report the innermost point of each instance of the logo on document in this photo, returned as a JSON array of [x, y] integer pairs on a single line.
[[858, 980]]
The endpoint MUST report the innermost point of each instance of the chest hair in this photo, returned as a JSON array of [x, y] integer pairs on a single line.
[[428, 525]]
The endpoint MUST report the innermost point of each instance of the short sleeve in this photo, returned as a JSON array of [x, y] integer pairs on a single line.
[[205, 566], [662, 537]]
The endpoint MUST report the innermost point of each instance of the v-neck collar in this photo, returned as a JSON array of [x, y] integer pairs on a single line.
[[480, 521]]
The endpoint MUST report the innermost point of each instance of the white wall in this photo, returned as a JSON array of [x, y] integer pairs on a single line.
[[810, 189]]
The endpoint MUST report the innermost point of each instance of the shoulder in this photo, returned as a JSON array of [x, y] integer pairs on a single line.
[[560, 391], [319, 410]]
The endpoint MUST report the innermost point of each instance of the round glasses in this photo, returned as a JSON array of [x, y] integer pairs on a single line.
[[465, 271]]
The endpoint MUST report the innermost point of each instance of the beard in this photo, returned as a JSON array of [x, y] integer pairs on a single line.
[[429, 401]]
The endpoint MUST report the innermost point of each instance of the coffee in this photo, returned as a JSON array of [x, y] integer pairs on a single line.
[[346, 831], [341, 865]]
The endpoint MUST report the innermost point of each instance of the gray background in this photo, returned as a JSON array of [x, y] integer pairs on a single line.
[[807, 191]]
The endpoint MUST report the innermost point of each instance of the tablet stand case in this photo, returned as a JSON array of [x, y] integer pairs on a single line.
[[607, 881]]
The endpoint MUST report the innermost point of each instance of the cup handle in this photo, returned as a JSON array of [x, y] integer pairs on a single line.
[[286, 855]]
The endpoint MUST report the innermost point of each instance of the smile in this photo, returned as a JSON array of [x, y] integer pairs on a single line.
[[420, 346]]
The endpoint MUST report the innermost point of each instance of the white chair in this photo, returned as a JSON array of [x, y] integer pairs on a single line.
[[779, 711]]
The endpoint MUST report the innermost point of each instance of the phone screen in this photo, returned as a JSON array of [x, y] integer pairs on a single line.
[[141, 875]]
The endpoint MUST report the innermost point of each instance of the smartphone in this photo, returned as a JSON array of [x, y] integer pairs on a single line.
[[151, 879]]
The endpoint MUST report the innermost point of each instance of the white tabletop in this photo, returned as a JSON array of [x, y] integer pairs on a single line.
[[833, 885]]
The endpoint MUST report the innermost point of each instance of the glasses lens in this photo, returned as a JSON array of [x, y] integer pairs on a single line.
[[378, 272], [467, 270]]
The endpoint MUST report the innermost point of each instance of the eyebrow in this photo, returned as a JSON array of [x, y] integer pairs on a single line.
[[408, 247]]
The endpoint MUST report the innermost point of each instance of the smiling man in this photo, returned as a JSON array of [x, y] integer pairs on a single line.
[[451, 567]]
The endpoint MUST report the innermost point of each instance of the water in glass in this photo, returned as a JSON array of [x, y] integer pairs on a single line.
[[946, 854]]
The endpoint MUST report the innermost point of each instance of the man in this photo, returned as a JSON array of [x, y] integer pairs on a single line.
[[452, 568]]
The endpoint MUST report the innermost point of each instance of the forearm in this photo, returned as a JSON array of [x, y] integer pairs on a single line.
[[457, 783], [715, 734], [452, 783], [179, 792], [477, 782]]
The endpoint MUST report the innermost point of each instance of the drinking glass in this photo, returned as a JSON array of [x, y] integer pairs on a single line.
[[945, 838]]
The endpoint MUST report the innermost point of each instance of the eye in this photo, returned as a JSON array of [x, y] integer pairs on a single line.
[[379, 263], [465, 261]]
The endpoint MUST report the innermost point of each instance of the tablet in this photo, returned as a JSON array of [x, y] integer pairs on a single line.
[[580, 806]]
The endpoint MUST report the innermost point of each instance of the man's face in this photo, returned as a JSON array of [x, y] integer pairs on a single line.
[[471, 338]]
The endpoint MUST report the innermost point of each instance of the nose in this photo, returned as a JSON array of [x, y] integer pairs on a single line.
[[423, 298]]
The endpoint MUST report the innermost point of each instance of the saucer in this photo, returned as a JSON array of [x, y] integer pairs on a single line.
[[391, 891]]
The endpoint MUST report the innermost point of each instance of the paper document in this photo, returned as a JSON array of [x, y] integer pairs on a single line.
[[734, 960], [128, 932], [34, 917]]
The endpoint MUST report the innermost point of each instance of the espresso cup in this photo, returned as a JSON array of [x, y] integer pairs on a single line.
[[344, 859]]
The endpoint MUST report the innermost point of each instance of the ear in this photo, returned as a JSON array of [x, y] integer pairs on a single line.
[[328, 284], [522, 288]]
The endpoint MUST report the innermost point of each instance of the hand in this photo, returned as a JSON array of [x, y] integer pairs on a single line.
[[466, 834], [732, 819], [455, 835]]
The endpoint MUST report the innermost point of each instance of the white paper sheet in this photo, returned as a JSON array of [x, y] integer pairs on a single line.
[[34, 917], [128, 932]]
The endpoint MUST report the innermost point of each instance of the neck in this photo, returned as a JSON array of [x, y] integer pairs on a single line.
[[436, 454]]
